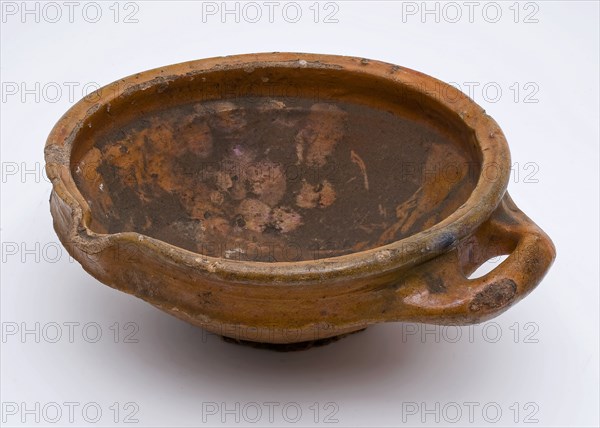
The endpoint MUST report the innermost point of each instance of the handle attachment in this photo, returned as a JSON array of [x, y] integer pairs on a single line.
[[439, 291]]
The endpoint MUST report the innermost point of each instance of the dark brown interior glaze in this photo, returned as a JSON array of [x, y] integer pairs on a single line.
[[270, 176]]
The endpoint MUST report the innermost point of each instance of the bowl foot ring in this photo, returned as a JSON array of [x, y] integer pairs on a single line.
[[289, 347]]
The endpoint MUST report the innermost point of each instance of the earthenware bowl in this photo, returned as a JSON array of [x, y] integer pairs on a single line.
[[288, 198]]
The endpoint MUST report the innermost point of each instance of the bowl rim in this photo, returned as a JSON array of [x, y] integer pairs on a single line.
[[396, 255]]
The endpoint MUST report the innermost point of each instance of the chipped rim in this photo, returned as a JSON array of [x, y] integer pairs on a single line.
[[406, 252]]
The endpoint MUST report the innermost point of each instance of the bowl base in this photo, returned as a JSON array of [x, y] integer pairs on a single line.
[[289, 347]]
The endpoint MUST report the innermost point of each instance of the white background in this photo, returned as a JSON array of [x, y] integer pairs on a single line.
[[536, 363]]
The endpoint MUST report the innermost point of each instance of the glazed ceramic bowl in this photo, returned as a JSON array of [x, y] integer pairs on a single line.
[[288, 198]]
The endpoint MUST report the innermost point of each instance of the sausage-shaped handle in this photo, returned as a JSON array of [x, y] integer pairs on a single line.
[[439, 291]]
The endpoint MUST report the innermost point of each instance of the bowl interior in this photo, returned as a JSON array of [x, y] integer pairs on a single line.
[[272, 176]]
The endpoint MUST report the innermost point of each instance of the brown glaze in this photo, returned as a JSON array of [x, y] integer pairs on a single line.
[[268, 180], [286, 198]]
